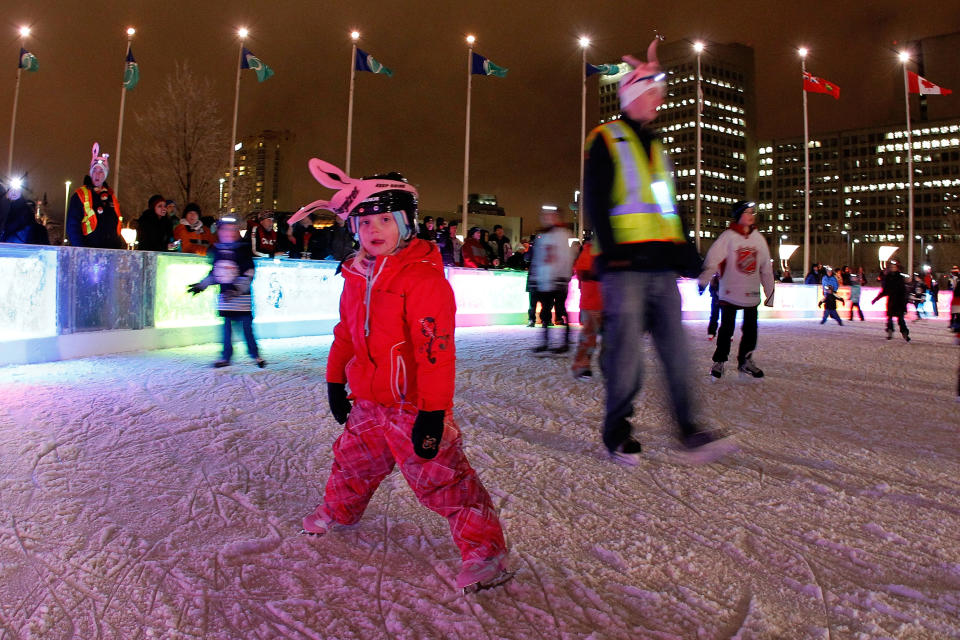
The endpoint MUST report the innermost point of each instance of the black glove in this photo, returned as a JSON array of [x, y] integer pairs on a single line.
[[337, 397], [195, 288], [427, 433]]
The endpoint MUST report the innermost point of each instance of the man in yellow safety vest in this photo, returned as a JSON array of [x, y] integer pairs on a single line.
[[641, 248], [93, 215]]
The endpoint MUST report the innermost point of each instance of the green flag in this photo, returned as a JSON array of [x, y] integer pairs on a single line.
[[250, 61], [28, 61], [481, 66], [131, 72]]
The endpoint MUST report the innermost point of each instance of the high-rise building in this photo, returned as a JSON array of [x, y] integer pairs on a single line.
[[727, 127], [264, 172], [859, 195]]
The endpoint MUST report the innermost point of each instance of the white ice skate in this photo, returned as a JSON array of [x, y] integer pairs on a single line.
[[706, 447], [483, 574], [317, 523]]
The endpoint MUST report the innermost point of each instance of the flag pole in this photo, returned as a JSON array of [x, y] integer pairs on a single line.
[[123, 99], [355, 35], [584, 43], [466, 144], [698, 47], [806, 168], [24, 32], [242, 33], [906, 102]]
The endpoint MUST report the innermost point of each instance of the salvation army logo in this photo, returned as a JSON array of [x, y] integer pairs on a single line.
[[747, 260]]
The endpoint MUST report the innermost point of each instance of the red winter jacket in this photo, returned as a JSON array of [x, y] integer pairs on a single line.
[[394, 342]]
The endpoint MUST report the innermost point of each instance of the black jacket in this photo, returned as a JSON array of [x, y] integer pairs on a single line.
[[895, 289], [153, 233]]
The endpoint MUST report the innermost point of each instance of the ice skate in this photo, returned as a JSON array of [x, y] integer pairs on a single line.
[[627, 453], [261, 362], [704, 447], [889, 334], [748, 368], [906, 337], [219, 364], [543, 348], [561, 349], [717, 370], [483, 574], [583, 375], [317, 523]]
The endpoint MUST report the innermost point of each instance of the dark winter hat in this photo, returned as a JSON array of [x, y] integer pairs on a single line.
[[152, 202], [739, 207], [402, 203], [191, 206]]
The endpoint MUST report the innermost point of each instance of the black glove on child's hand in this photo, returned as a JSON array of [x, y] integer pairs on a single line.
[[195, 288], [337, 397], [427, 433]]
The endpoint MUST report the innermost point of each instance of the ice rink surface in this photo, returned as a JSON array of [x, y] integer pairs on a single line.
[[147, 495]]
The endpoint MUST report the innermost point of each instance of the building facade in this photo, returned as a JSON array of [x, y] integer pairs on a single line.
[[263, 172], [728, 120]]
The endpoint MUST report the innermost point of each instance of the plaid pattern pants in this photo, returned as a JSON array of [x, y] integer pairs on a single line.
[[374, 439]]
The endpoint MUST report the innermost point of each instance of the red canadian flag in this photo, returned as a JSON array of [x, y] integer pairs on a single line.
[[919, 84], [814, 84]]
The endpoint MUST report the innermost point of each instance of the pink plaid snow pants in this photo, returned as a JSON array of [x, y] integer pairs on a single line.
[[374, 438]]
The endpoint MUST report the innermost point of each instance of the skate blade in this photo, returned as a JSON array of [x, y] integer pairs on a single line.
[[708, 453], [498, 580]]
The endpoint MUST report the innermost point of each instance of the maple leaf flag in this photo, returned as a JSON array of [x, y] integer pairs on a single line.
[[919, 84], [814, 84]]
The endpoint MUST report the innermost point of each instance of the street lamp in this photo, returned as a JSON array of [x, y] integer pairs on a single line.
[[584, 43], [220, 201], [849, 237], [698, 48], [803, 51], [66, 200]]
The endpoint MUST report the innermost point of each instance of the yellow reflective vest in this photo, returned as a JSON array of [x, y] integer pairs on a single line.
[[89, 221], [642, 200]]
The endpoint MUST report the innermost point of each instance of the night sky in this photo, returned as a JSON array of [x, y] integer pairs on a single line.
[[526, 127]]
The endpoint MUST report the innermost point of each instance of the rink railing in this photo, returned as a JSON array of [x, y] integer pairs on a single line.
[[67, 302]]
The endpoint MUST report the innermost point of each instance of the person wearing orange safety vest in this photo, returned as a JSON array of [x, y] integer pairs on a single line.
[[641, 248], [93, 214]]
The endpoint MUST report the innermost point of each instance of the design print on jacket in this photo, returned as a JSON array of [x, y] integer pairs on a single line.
[[746, 260], [428, 327]]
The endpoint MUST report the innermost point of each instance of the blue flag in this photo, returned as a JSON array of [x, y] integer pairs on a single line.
[[366, 62], [605, 69], [250, 61], [480, 66], [131, 72]]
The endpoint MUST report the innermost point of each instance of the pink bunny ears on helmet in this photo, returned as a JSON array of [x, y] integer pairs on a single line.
[[97, 159], [644, 77], [350, 191]]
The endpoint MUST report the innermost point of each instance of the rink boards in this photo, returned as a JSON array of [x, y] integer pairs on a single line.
[[67, 302]]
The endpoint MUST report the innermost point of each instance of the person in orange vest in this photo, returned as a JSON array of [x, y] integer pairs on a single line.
[[263, 237], [93, 214], [193, 235]]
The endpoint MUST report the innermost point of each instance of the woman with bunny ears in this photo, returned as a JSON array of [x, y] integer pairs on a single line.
[[93, 215], [394, 347]]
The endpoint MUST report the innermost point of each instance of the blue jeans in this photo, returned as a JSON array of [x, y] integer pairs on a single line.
[[247, 322], [635, 302]]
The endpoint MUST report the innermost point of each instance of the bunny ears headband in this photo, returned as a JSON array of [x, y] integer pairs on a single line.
[[644, 77], [351, 192], [97, 159]]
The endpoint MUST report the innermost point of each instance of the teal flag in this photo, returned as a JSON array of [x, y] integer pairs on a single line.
[[605, 69], [131, 72], [480, 66], [366, 62], [28, 61], [250, 61]]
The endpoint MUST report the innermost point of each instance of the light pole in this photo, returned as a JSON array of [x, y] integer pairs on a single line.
[[698, 48], [66, 201], [466, 142], [584, 43], [856, 241], [220, 200], [919, 240], [905, 58], [803, 51], [24, 32], [242, 33], [354, 36], [123, 99]]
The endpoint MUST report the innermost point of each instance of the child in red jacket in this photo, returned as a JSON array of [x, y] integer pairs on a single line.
[[394, 347], [591, 311]]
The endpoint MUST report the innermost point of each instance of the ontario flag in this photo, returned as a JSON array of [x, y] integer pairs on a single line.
[[919, 84], [813, 84]]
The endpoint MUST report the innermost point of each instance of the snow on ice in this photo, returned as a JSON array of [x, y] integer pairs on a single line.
[[147, 495]]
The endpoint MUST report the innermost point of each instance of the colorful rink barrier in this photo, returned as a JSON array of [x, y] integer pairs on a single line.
[[58, 303]]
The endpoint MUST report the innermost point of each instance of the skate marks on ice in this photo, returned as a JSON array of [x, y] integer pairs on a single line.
[[168, 506]]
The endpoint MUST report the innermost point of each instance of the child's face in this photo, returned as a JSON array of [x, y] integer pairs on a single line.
[[379, 234]]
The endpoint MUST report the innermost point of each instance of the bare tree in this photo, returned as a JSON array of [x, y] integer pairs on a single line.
[[179, 149]]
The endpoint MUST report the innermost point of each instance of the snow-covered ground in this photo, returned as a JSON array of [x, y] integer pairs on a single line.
[[147, 495]]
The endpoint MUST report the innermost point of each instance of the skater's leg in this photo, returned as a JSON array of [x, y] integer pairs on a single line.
[[247, 322], [826, 314], [621, 352], [748, 334], [903, 325], [714, 315], [589, 321], [666, 330], [532, 309], [728, 323], [836, 316], [227, 338], [449, 486], [361, 460]]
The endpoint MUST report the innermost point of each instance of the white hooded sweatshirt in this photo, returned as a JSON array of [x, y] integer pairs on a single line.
[[742, 258]]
